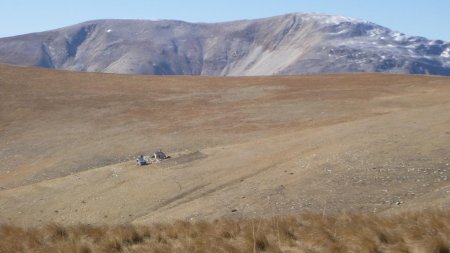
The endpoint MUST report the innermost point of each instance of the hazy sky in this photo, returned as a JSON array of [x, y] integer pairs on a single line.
[[414, 17]]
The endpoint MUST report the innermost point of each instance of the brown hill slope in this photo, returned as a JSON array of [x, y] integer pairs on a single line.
[[241, 146]]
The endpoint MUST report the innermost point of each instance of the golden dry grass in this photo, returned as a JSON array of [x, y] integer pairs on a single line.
[[413, 232]]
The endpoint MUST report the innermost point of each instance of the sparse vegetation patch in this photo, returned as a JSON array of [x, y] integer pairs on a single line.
[[409, 232]]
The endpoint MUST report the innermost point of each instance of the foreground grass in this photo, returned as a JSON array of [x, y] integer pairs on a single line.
[[410, 232]]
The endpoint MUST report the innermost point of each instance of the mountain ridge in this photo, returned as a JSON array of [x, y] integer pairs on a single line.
[[295, 43]]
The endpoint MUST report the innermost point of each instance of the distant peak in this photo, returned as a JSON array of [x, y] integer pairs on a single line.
[[294, 43]]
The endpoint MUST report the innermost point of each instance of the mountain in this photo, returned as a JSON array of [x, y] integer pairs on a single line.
[[282, 45]]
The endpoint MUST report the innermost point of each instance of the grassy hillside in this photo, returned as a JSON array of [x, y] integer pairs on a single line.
[[242, 147]]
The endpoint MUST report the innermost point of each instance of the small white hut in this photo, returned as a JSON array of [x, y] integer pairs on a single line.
[[159, 155], [140, 161]]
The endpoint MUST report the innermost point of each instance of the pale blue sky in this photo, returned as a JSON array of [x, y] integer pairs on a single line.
[[414, 17]]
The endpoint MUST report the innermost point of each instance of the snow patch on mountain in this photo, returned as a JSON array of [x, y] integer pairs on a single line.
[[330, 19], [446, 53]]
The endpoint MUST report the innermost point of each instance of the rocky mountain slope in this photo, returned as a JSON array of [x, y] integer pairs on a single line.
[[282, 45]]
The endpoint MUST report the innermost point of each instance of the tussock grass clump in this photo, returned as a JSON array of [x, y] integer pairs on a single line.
[[409, 232]]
